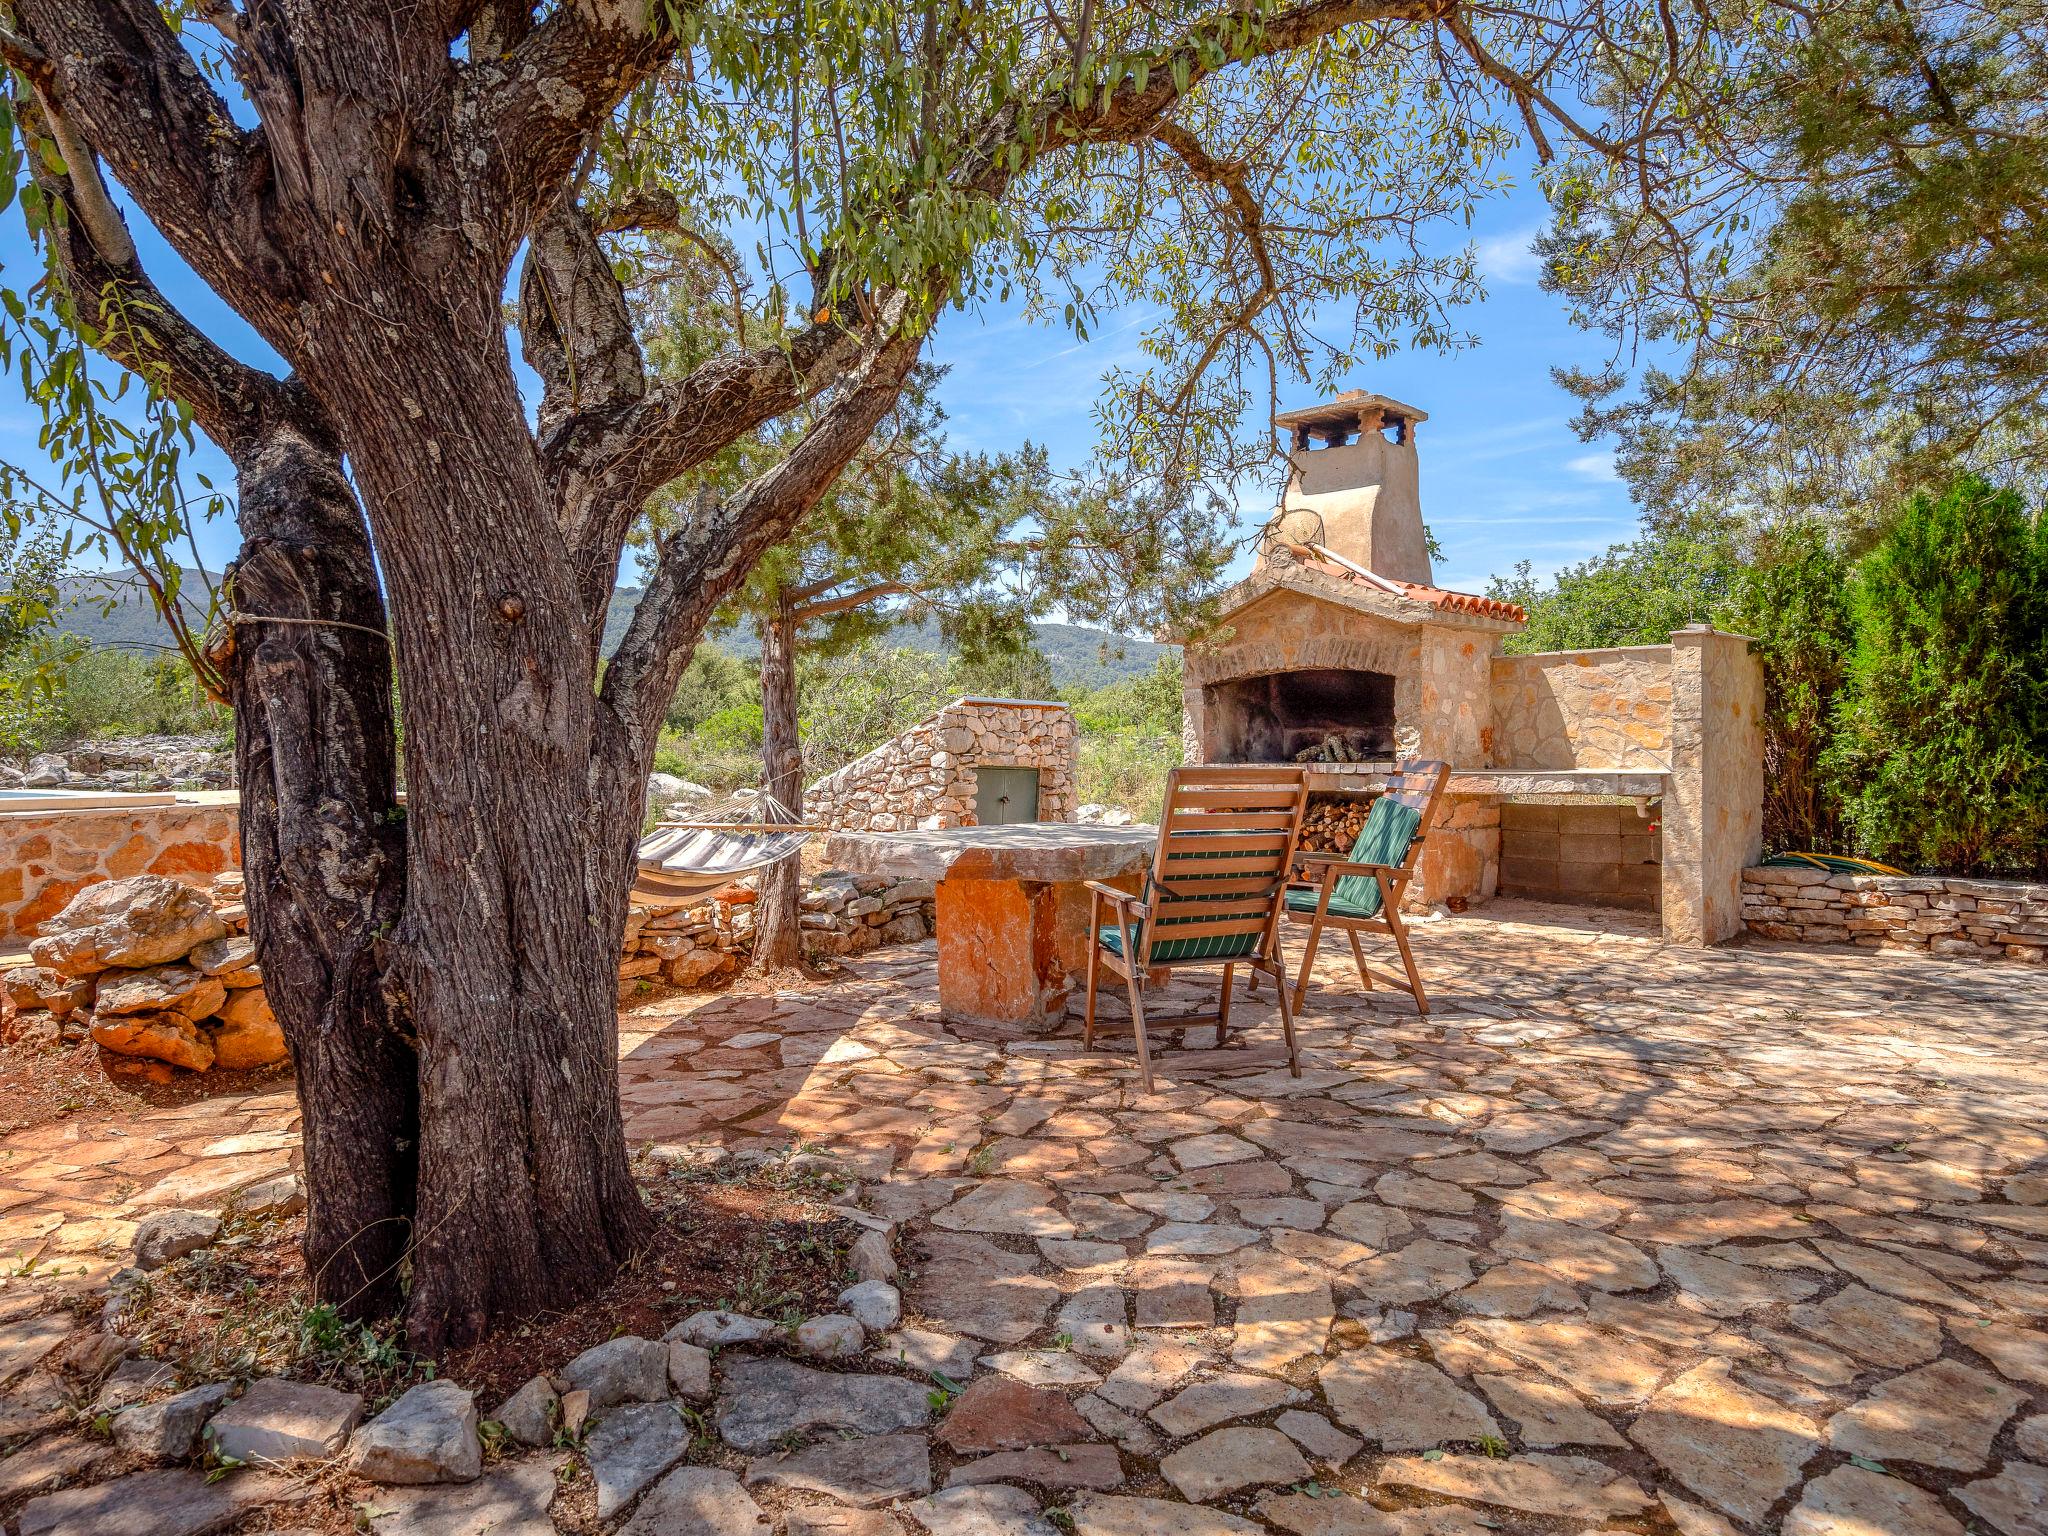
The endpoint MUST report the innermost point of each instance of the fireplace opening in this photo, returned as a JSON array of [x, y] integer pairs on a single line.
[[1312, 715]]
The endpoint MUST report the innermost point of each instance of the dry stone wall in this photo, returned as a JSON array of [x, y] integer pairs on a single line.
[[925, 778], [842, 914], [1930, 914], [48, 857]]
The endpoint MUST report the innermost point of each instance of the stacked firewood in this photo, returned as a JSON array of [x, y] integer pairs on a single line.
[[1331, 823]]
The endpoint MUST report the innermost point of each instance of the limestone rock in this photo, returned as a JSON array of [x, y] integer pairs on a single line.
[[245, 1033], [174, 988], [831, 1337], [1422, 1271], [1578, 1254], [1232, 1395], [39, 987], [763, 1400], [1102, 1514], [1004, 1206], [992, 1510], [1402, 1403], [427, 1436], [162, 1236], [621, 1370], [1852, 1502], [1065, 1466], [223, 956], [283, 1421], [1942, 1415], [52, 1459], [1735, 1448], [697, 1501], [132, 1381], [689, 1370], [1318, 1436], [159, 1503], [1225, 1460], [865, 1472], [1549, 1414], [830, 1520], [284, 1195], [510, 1501], [629, 1448], [971, 1286], [1857, 1321], [928, 1353], [141, 921], [715, 1330], [165, 1037], [2015, 1501], [529, 1415], [875, 1304], [168, 1430], [1568, 1487]]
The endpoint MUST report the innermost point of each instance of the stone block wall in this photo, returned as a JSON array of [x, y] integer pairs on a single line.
[[48, 857], [1928, 914], [925, 778], [842, 915], [1582, 709], [1604, 855]]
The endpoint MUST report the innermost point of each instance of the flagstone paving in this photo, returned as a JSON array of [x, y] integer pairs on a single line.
[[1619, 1238]]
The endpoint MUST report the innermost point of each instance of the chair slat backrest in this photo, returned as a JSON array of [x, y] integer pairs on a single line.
[[1226, 835], [1393, 834]]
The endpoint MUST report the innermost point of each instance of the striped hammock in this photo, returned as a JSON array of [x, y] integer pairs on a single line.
[[683, 862]]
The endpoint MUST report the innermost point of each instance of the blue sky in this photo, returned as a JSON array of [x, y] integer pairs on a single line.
[[1503, 476]]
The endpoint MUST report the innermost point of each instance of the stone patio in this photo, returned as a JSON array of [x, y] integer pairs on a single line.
[[1621, 1238]]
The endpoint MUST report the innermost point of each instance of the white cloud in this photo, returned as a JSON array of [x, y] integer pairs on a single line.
[[1594, 466], [1510, 259]]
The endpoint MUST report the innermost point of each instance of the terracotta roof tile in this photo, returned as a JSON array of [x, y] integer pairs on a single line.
[[1435, 597]]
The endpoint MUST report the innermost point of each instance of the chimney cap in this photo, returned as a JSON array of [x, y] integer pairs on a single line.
[[1346, 410]]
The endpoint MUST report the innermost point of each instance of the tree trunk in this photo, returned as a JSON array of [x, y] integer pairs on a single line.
[[778, 926], [323, 845], [524, 798]]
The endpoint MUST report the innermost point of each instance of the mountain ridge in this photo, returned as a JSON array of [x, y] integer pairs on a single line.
[[113, 610]]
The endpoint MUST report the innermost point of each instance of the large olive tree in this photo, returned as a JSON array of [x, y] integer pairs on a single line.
[[359, 179]]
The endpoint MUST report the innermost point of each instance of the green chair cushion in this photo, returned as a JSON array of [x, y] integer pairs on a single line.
[[1389, 829], [1210, 946], [1304, 901]]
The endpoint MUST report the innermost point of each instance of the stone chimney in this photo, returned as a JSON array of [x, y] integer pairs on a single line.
[[1353, 488]]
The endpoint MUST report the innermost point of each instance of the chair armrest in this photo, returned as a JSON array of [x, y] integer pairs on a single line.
[[1128, 900]]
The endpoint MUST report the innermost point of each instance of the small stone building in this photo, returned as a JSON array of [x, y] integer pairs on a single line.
[[1631, 776], [976, 762]]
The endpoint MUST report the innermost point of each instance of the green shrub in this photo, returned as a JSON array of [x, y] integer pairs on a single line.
[[1793, 600], [1127, 770], [1943, 727]]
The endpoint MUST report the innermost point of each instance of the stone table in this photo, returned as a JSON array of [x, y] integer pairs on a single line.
[[1012, 906]]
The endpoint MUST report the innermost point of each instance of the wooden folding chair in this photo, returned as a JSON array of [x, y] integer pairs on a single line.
[[1361, 892], [1212, 896]]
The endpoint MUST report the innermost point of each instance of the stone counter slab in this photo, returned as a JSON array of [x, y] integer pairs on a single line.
[[1049, 853]]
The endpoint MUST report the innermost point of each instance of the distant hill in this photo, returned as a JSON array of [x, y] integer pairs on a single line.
[[115, 611]]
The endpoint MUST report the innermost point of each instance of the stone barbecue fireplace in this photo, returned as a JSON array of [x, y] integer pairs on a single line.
[[1635, 775], [1311, 715]]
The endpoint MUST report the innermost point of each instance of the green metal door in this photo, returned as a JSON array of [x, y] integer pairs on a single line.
[[1005, 796]]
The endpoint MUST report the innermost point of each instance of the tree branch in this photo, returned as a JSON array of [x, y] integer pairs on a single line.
[[847, 602], [704, 561]]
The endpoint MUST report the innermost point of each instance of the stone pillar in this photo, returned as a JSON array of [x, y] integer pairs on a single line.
[[1714, 807]]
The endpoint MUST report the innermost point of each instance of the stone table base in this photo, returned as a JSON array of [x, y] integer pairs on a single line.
[[1011, 952]]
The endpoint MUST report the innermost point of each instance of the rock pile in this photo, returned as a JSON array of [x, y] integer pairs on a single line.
[[148, 967], [134, 763]]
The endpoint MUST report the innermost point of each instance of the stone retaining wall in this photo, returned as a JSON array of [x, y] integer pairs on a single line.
[[1931, 914], [925, 778], [48, 857], [842, 915]]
